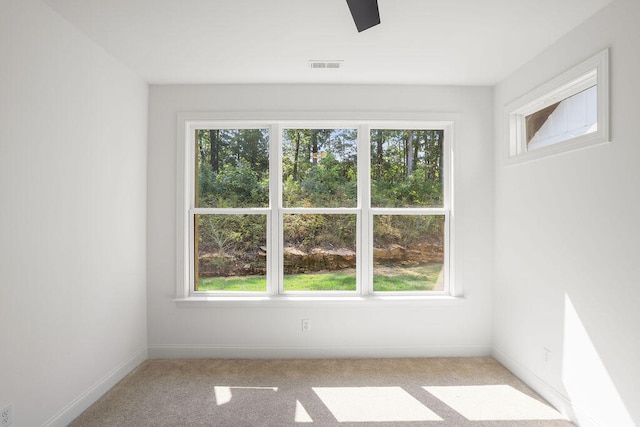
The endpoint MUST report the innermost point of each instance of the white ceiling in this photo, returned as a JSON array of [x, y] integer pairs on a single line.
[[457, 42]]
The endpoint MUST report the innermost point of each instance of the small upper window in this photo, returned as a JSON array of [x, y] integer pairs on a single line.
[[572, 117], [570, 111]]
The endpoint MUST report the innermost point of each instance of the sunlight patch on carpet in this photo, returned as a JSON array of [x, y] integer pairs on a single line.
[[493, 403], [373, 404], [302, 416], [224, 395]]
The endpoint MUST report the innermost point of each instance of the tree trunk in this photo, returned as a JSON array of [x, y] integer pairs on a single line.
[[200, 146], [379, 143], [410, 153], [295, 157], [416, 149], [314, 147], [214, 138], [438, 163]]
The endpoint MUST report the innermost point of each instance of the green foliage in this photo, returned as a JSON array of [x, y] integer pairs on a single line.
[[307, 231], [406, 168], [235, 185], [320, 282], [231, 244], [233, 168], [327, 184], [319, 169], [292, 282], [244, 284], [414, 190], [231, 233], [408, 230], [421, 278]]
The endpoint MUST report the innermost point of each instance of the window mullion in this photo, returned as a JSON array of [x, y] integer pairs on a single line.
[[191, 171], [408, 211], [327, 211], [274, 283], [364, 248], [228, 211], [447, 180], [191, 265]]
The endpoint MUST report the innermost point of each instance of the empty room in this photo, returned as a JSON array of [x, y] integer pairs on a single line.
[[358, 212]]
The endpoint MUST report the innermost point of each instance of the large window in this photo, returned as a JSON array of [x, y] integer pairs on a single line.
[[315, 209]]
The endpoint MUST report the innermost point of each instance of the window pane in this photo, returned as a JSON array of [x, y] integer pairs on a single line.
[[319, 168], [408, 252], [574, 116], [406, 168], [232, 168], [319, 252], [231, 252]]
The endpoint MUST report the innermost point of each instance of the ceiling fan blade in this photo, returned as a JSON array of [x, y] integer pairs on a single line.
[[365, 13]]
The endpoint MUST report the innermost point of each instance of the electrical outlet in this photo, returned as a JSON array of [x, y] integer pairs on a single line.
[[306, 325], [6, 417]]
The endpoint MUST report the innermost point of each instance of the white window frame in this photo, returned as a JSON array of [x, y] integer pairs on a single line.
[[187, 125], [296, 210], [593, 71]]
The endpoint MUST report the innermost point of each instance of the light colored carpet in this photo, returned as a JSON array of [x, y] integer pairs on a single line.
[[382, 392]]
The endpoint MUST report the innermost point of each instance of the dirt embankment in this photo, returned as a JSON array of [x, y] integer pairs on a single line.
[[297, 260]]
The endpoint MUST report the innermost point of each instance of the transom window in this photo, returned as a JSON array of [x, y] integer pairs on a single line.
[[316, 208], [569, 112]]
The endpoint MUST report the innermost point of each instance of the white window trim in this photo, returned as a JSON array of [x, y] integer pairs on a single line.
[[186, 125], [594, 70]]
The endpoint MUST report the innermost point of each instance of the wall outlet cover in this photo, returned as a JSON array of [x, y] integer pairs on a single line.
[[6, 416]]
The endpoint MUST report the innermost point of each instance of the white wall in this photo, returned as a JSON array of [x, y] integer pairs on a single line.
[[72, 218], [567, 240], [462, 328]]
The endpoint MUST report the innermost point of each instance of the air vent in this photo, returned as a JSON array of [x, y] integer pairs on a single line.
[[325, 64]]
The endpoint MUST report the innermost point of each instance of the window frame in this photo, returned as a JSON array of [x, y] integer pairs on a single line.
[[188, 123], [593, 71], [314, 124]]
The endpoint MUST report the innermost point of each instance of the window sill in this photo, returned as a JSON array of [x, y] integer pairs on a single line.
[[304, 301], [563, 147]]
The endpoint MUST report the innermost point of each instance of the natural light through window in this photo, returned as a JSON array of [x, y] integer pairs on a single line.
[[301, 414], [374, 404], [316, 208], [223, 395], [580, 355], [389, 404], [493, 402]]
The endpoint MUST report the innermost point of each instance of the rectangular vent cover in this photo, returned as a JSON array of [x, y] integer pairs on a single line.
[[325, 64]]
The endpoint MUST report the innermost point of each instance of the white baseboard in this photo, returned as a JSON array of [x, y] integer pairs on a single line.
[[223, 352], [557, 399], [86, 399]]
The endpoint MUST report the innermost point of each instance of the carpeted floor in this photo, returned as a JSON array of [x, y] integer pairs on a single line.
[[216, 392]]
